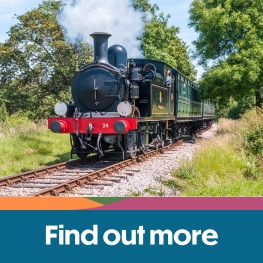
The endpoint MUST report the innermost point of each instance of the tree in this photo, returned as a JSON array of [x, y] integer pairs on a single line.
[[160, 42], [230, 37], [235, 109], [37, 63]]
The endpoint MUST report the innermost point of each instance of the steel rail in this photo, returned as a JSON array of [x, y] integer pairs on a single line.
[[22, 177], [84, 180], [107, 171]]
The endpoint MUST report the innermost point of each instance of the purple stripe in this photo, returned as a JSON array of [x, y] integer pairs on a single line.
[[186, 203]]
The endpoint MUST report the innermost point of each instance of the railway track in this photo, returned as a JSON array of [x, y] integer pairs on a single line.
[[74, 176]]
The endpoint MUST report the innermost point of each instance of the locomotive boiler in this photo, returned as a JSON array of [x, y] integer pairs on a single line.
[[126, 106]]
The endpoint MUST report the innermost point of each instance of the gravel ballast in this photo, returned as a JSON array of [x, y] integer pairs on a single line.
[[147, 175]]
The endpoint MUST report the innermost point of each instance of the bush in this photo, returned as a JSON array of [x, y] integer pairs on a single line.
[[3, 113], [248, 135], [229, 165]]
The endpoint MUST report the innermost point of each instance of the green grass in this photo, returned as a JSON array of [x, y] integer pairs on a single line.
[[154, 191], [218, 171], [151, 190], [26, 146], [228, 165]]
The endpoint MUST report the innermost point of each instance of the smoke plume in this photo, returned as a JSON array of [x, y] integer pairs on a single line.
[[118, 18]]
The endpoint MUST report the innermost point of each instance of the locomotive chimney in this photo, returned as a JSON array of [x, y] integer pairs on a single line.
[[100, 47]]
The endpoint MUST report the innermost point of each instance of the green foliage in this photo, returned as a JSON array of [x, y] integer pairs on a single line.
[[150, 190], [144, 6], [254, 140], [160, 42], [248, 141], [234, 109], [252, 135], [154, 191], [252, 170], [186, 171], [230, 35], [37, 63], [3, 113], [135, 193], [173, 184], [14, 124]]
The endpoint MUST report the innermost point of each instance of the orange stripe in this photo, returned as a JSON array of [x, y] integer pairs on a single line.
[[47, 203]]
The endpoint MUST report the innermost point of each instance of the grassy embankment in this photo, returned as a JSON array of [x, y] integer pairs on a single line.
[[231, 164], [25, 146]]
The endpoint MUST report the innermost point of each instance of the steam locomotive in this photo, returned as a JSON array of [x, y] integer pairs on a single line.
[[128, 106]]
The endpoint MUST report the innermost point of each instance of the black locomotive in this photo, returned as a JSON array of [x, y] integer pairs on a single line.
[[129, 105]]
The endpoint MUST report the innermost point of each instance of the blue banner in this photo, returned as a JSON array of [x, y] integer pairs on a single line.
[[131, 236]]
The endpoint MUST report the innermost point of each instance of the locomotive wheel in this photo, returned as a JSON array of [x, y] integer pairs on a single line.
[[131, 144], [142, 139], [160, 133]]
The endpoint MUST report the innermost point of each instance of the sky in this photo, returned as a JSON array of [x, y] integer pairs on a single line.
[[178, 9]]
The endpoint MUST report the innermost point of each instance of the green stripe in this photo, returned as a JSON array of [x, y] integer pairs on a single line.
[[106, 200]]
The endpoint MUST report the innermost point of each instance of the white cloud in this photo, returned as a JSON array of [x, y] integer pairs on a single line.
[[116, 17]]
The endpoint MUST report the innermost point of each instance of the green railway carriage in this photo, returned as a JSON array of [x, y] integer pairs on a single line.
[[189, 101], [208, 109], [180, 101]]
